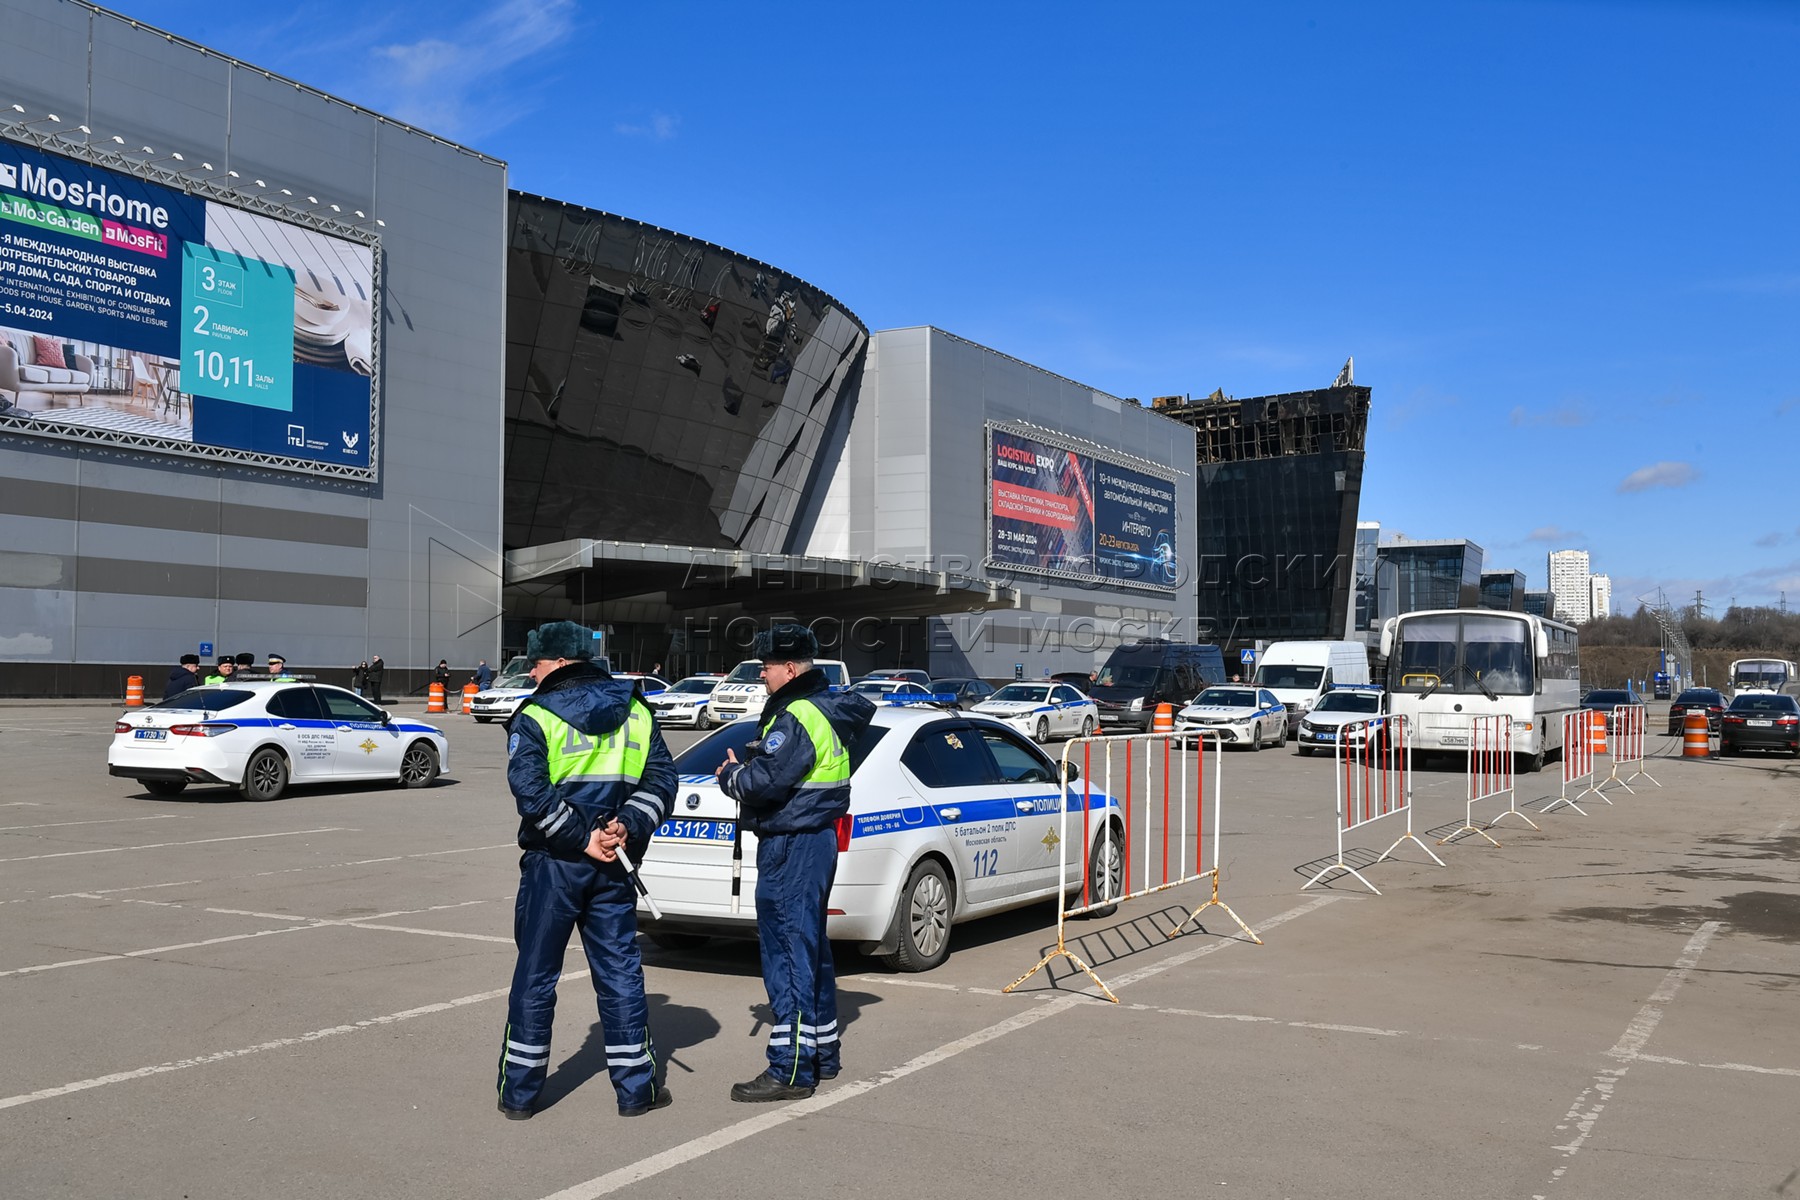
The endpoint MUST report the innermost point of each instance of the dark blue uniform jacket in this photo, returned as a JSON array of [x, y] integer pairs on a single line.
[[765, 784]]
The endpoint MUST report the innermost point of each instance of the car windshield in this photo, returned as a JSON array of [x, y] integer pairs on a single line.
[[1463, 654], [1288, 675], [1026, 693], [1607, 697], [696, 687], [875, 687], [1762, 702], [704, 756], [1354, 702], [206, 699], [1696, 696], [1127, 675], [1227, 697], [745, 672]]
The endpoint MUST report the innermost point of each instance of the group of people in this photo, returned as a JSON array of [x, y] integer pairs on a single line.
[[592, 779], [482, 678], [186, 672], [366, 677]]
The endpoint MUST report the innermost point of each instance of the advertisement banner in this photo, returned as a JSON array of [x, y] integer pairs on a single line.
[[129, 308], [1056, 511]]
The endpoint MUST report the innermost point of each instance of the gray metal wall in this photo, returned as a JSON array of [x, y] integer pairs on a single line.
[[114, 560], [911, 487]]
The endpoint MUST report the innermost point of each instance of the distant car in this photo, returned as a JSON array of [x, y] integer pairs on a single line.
[[1710, 699], [1604, 700], [1760, 721], [1042, 710], [684, 703], [1240, 714], [1660, 689], [650, 685], [968, 692], [1321, 726], [910, 674], [1081, 681], [261, 737], [900, 691], [500, 699]]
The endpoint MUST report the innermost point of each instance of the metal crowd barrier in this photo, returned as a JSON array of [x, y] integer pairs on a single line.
[[1577, 761], [1170, 828], [1374, 780], [1490, 775], [1629, 723]]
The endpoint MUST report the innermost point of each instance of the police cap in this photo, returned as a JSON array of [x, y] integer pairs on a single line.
[[559, 639], [190, 660], [786, 643]]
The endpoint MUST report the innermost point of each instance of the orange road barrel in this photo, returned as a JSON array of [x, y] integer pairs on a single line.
[[469, 692], [1597, 732], [435, 699], [1696, 741], [1164, 721], [134, 692]]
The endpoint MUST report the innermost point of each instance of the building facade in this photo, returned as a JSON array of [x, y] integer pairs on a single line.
[[1435, 574], [1568, 571], [1503, 590], [1599, 596], [150, 509]]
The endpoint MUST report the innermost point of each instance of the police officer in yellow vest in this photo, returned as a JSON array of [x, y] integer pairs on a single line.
[[223, 672], [791, 791], [590, 773]]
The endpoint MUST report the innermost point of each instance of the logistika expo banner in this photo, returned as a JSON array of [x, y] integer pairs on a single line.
[[127, 307], [1055, 511]]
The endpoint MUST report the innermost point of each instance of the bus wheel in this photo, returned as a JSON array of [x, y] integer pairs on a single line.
[[1529, 764]]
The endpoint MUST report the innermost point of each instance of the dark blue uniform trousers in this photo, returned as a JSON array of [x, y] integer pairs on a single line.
[[556, 897], [793, 882]]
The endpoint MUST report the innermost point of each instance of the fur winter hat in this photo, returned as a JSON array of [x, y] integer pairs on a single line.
[[786, 643], [559, 639]]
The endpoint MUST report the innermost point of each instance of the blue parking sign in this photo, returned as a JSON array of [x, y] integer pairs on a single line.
[[205, 649]]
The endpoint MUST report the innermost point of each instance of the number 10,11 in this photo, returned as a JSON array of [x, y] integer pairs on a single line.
[[216, 368]]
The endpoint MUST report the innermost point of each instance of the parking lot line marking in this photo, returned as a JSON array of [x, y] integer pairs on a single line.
[[1585, 1113], [242, 837], [447, 933], [98, 958], [1682, 1062], [83, 1085], [699, 1147], [107, 821]]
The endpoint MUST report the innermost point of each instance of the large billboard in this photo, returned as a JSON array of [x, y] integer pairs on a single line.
[[150, 316], [1057, 511]]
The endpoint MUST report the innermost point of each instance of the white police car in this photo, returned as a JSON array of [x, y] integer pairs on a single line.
[[501, 699], [648, 685], [951, 817], [1241, 715], [1342, 705], [1042, 710], [684, 702], [742, 694], [901, 691], [260, 737]]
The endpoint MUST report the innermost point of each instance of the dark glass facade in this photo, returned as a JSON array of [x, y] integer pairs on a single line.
[[659, 388], [1435, 574], [1503, 590], [1279, 480]]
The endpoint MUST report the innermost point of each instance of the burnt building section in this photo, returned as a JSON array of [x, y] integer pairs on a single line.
[[1278, 481]]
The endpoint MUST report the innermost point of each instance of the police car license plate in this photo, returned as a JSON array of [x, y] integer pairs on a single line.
[[1324, 737], [697, 831], [162, 735]]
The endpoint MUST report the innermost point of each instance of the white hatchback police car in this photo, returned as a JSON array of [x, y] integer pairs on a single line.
[[1341, 706], [685, 701], [260, 737], [951, 817], [1042, 710], [1240, 715], [501, 698]]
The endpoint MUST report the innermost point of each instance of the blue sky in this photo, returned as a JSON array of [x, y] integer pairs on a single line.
[[1559, 238]]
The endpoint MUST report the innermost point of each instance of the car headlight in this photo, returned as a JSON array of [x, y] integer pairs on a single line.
[[1137, 705]]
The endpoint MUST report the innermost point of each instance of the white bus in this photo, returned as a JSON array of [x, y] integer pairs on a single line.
[[1448, 665], [1760, 675]]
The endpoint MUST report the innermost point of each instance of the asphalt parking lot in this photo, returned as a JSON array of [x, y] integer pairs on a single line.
[[210, 998]]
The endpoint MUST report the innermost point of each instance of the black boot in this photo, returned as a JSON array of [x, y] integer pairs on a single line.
[[766, 1087], [513, 1114], [662, 1099]]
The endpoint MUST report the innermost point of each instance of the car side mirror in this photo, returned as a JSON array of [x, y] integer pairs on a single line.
[[1071, 772], [387, 718]]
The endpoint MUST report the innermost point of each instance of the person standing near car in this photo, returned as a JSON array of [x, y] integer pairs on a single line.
[[186, 674], [590, 774], [791, 791], [484, 675], [224, 671], [372, 679], [357, 675]]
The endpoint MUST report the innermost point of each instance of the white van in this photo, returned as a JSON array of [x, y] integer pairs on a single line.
[[1301, 672], [742, 694]]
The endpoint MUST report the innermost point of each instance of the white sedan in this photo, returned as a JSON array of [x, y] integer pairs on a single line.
[[1042, 710], [260, 737], [499, 700], [901, 691], [684, 702], [1240, 716], [951, 817]]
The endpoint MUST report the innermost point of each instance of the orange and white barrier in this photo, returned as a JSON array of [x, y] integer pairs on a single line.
[[1696, 735], [1597, 730], [1577, 762], [434, 698], [470, 691], [134, 691], [1374, 780], [1163, 721], [1165, 832], [1490, 775], [1629, 721]]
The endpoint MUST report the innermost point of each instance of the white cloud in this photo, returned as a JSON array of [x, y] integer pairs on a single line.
[[1564, 416], [1767, 540], [1662, 474], [1555, 534], [451, 84], [659, 128]]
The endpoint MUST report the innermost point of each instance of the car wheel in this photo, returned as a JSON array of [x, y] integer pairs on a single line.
[[1106, 872], [923, 920], [419, 765], [1281, 736], [265, 775], [1043, 729], [678, 941], [163, 787], [702, 722], [1726, 749], [1303, 751], [1087, 727], [1256, 738]]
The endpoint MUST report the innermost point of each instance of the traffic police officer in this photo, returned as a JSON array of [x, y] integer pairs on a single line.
[[791, 791], [278, 669], [224, 671], [590, 773]]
